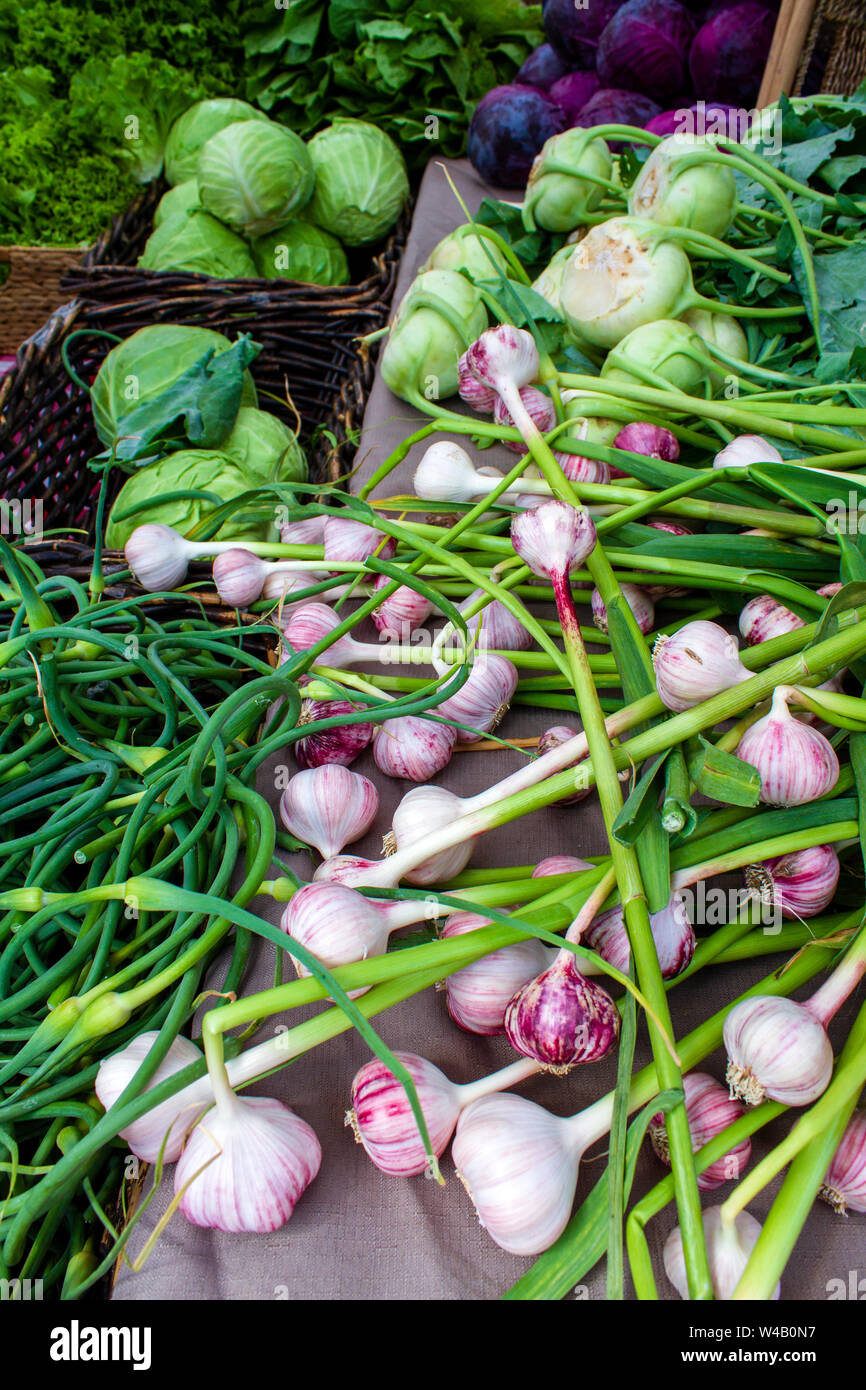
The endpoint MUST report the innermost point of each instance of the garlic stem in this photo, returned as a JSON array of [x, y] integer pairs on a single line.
[[829, 998], [501, 1080]]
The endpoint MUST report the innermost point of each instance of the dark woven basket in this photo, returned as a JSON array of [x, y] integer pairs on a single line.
[[309, 332], [320, 374]]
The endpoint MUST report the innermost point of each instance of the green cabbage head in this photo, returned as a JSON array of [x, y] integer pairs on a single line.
[[185, 488], [182, 198], [254, 175], [195, 127], [361, 181], [301, 251], [265, 448], [194, 241], [145, 365]]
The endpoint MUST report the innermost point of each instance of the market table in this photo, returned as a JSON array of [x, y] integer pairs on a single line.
[[358, 1234]]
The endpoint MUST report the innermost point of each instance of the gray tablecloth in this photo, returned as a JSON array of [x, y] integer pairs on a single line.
[[357, 1234]]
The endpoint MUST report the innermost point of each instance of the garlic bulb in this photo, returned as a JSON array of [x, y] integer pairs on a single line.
[[729, 1245], [503, 356], [310, 624], [653, 441], [474, 392], [555, 737], [159, 556], [247, 1163], [402, 611], [698, 661], [483, 700], [560, 864], [777, 1050], [338, 925], [239, 576], [554, 539], [539, 407], [381, 1116], [638, 601], [479, 994], [800, 884], [579, 469], [329, 807], [174, 1116], [562, 1018], [308, 531], [344, 539], [446, 473], [764, 617], [411, 747], [494, 627], [844, 1187], [672, 933], [421, 810], [709, 1110], [745, 450], [797, 764], [340, 744], [519, 1165]]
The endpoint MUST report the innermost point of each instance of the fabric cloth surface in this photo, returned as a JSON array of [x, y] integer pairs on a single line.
[[357, 1234]]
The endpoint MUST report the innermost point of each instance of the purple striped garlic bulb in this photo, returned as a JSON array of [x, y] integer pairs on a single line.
[[540, 409], [709, 1110], [800, 884], [478, 995], [797, 764], [672, 933], [729, 1245], [483, 700], [329, 807], [638, 601], [696, 662], [764, 617], [344, 539], [844, 1187], [246, 1165], [340, 744], [414, 748]]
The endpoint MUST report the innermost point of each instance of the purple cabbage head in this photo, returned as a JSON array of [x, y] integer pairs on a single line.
[[508, 128], [611, 105], [574, 31], [543, 67], [646, 46], [730, 52], [573, 91], [712, 117]]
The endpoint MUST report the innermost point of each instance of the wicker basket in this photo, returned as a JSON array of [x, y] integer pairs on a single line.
[[311, 365], [834, 55], [31, 290]]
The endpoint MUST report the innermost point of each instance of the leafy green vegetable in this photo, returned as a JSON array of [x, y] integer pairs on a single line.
[[301, 251], [415, 70], [192, 130], [184, 488], [361, 184], [253, 175], [169, 385], [196, 242], [68, 166]]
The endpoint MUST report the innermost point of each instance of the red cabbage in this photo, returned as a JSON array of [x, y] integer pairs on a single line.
[[573, 91], [730, 52], [575, 31], [612, 105], [646, 46], [705, 117], [543, 67], [508, 128]]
